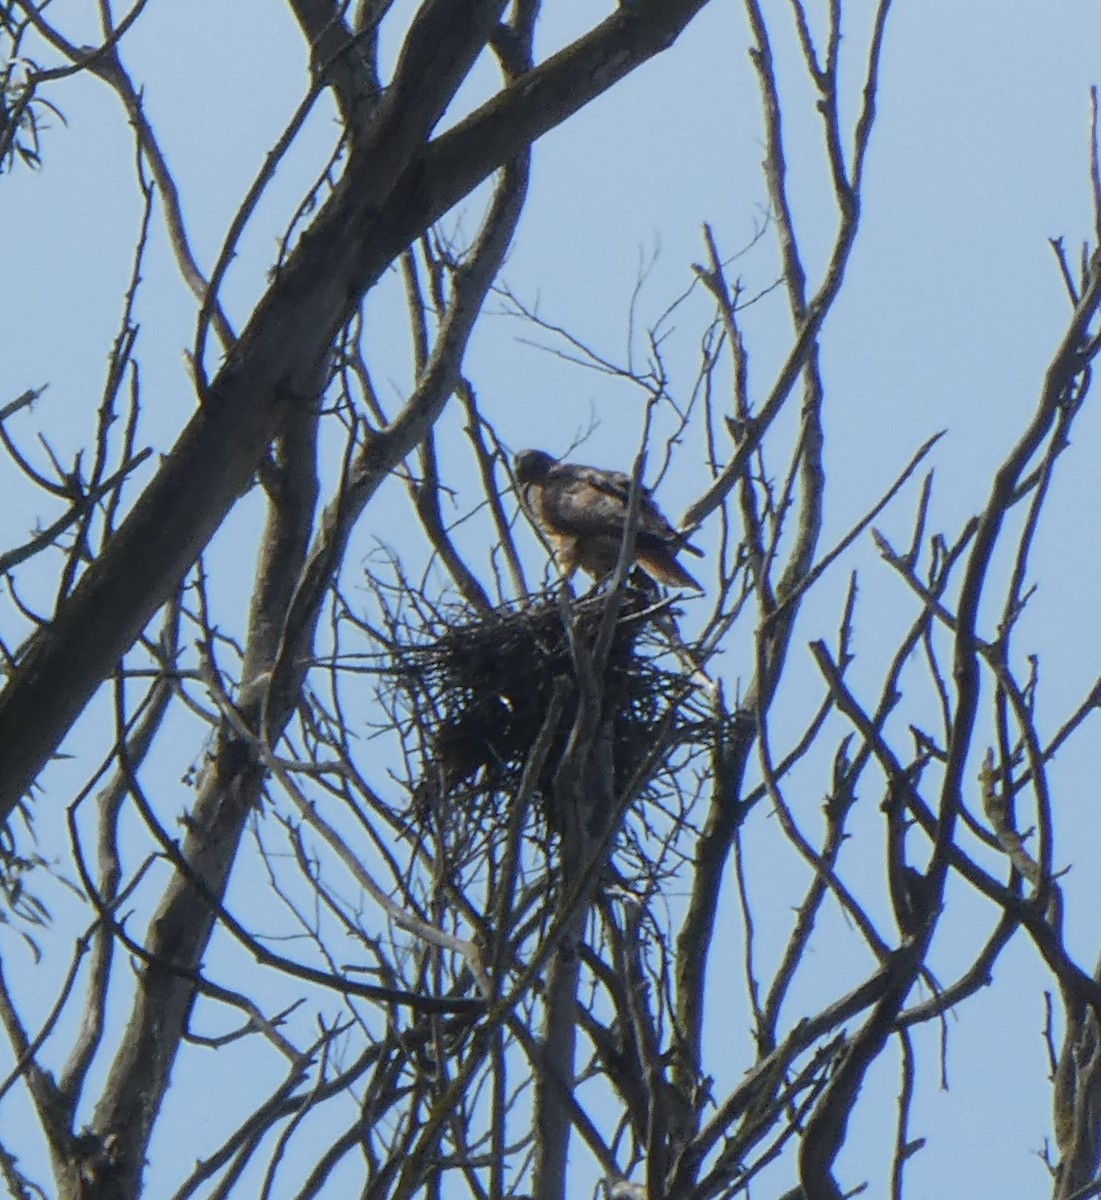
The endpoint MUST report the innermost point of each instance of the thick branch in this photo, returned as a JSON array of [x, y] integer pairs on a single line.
[[395, 187]]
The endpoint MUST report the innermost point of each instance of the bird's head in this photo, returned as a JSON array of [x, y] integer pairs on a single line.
[[532, 466]]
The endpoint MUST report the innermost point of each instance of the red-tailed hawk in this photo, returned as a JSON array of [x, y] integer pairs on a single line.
[[583, 512]]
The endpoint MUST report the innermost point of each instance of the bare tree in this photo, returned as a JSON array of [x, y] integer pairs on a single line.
[[505, 836]]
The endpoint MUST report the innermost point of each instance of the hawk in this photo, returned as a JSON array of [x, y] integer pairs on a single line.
[[583, 512]]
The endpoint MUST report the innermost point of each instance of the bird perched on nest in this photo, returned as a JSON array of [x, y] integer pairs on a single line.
[[583, 512]]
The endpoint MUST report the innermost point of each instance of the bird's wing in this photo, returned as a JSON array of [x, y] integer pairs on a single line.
[[585, 501], [591, 500], [583, 510]]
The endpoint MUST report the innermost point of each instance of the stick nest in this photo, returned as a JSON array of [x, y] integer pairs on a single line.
[[481, 686]]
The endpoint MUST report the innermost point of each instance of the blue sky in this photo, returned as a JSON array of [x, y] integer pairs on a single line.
[[952, 306]]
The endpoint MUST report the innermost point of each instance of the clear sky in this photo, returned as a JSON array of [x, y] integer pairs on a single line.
[[952, 307]]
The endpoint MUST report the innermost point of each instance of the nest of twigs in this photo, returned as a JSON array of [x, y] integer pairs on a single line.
[[482, 687]]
